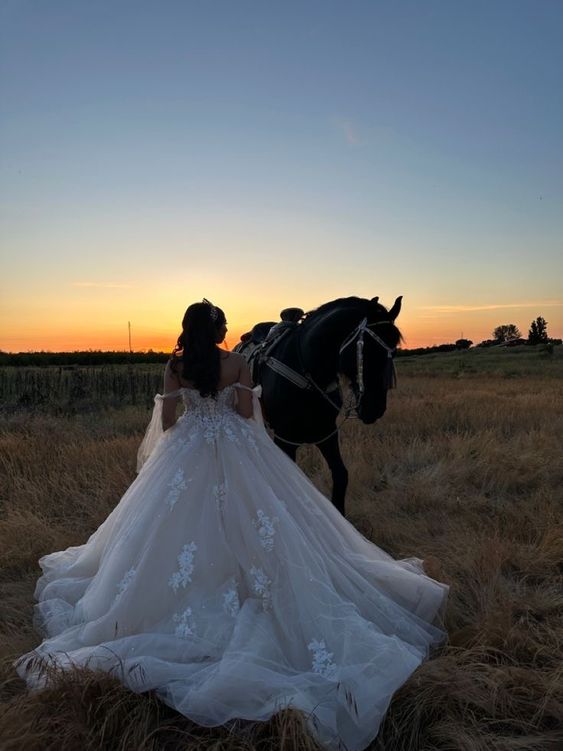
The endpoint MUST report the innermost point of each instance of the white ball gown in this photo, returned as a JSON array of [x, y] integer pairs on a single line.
[[228, 583]]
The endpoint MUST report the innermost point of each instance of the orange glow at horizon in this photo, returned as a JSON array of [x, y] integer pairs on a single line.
[[109, 341], [65, 317], [117, 341], [416, 330]]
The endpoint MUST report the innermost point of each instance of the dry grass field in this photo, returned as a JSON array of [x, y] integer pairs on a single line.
[[465, 470]]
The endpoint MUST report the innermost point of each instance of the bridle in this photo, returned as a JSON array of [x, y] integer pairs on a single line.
[[359, 332], [305, 380]]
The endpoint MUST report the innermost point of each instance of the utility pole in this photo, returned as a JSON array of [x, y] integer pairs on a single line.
[[129, 327]]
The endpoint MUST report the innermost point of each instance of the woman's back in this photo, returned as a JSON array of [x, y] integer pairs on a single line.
[[233, 369], [231, 364]]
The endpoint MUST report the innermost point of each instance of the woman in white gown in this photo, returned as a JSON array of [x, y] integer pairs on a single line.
[[226, 581]]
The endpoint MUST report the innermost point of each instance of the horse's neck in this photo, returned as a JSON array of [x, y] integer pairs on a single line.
[[323, 338]]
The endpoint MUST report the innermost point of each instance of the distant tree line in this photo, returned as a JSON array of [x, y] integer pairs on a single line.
[[507, 334], [88, 357]]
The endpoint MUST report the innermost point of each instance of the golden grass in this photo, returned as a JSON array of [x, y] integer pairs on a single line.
[[465, 473]]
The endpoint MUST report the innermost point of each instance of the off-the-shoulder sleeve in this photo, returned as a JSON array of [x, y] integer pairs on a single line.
[[256, 408], [154, 431]]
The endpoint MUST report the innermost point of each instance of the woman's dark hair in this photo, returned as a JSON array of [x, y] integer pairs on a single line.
[[197, 347]]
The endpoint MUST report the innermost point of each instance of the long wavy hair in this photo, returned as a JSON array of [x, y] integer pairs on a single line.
[[197, 349]]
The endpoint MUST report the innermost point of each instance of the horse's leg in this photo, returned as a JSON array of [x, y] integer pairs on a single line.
[[330, 449], [287, 448]]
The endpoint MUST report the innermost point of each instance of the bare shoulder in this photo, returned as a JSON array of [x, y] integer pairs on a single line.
[[239, 361], [233, 367], [234, 357], [172, 364], [171, 373]]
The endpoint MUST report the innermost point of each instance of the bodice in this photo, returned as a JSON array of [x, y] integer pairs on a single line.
[[213, 417], [209, 416], [208, 406]]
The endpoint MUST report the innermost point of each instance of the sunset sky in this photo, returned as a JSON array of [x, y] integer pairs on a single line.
[[268, 154]]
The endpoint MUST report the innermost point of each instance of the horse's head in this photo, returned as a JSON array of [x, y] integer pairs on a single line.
[[366, 358]]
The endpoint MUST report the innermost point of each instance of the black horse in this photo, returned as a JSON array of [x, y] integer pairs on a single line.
[[301, 395]]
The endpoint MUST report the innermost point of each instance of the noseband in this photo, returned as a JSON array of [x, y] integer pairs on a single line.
[[359, 332]]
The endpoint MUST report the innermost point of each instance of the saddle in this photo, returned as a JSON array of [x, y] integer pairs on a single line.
[[259, 342], [260, 331]]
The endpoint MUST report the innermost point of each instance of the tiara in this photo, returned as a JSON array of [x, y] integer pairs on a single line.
[[212, 309]]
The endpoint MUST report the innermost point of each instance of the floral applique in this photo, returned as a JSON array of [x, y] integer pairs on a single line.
[[185, 621], [228, 428], [214, 425], [186, 566], [322, 659], [189, 439], [266, 530], [176, 485], [219, 493], [249, 437], [125, 582], [210, 428], [262, 587], [231, 603]]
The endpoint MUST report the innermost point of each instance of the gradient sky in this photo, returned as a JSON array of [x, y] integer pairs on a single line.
[[268, 154]]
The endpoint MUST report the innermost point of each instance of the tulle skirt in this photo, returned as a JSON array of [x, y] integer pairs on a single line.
[[228, 583]]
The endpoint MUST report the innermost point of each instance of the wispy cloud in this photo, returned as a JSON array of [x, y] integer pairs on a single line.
[[103, 285], [501, 306], [350, 132]]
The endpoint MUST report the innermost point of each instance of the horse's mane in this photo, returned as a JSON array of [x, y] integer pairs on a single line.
[[345, 302], [369, 307]]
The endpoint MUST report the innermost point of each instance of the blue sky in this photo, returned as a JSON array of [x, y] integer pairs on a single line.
[[273, 154]]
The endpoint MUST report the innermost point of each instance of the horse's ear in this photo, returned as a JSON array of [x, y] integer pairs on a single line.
[[396, 309], [375, 299]]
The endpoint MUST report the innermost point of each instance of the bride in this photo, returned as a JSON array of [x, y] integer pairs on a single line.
[[225, 581]]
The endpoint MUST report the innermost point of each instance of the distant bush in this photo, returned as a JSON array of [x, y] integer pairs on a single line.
[[507, 343], [507, 332], [426, 350], [463, 343], [538, 331]]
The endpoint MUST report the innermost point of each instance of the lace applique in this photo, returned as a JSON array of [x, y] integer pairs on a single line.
[[214, 425], [185, 623], [210, 428], [125, 582], [219, 493], [186, 564], [322, 659], [228, 430], [266, 530], [262, 587], [181, 435], [214, 417], [231, 603], [177, 484], [249, 436]]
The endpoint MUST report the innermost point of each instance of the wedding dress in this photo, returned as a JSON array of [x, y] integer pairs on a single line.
[[227, 582]]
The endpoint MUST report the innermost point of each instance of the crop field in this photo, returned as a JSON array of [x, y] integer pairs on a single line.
[[465, 470]]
